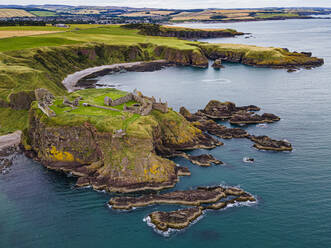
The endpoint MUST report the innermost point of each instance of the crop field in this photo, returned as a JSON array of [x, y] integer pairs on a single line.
[[17, 33], [14, 13], [43, 13]]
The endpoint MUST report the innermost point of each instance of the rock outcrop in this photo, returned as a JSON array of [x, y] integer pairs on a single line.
[[178, 219], [201, 121], [244, 118], [225, 110], [196, 197], [181, 218], [266, 143], [204, 160], [217, 64]]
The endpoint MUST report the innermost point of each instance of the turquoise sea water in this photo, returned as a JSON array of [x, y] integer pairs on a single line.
[[41, 208]]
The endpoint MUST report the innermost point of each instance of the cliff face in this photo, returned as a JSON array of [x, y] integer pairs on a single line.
[[112, 161], [260, 56], [46, 67]]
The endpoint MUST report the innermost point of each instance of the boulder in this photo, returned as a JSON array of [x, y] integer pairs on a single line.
[[217, 64]]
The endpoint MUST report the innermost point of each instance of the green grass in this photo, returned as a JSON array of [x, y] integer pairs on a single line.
[[103, 119], [264, 15], [43, 13], [12, 120], [25, 42]]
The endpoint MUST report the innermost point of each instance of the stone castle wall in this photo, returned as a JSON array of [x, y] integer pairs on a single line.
[[122, 100]]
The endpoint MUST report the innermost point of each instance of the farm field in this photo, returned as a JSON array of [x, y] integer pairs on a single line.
[[43, 13], [14, 13]]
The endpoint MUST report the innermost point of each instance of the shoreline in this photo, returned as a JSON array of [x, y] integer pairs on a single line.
[[9, 140], [71, 81]]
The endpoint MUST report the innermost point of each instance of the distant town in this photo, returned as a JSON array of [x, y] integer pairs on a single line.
[[41, 15]]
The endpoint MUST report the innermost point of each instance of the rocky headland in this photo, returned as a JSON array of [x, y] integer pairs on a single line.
[[260, 56], [182, 33], [116, 150]]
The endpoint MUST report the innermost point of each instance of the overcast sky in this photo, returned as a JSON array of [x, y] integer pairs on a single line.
[[186, 4]]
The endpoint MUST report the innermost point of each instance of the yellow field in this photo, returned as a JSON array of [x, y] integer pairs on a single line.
[[14, 13], [13, 33]]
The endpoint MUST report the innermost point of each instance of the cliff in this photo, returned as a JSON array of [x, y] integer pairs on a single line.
[[260, 56], [110, 150], [183, 33]]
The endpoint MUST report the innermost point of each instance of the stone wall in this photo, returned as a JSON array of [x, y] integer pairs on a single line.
[[122, 100], [147, 104], [163, 107]]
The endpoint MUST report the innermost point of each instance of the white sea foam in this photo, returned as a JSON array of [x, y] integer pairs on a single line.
[[247, 160], [262, 125], [170, 231], [217, 81]]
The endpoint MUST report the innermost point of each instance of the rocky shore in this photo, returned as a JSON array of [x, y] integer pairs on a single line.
[[9, 146], [245, 115]]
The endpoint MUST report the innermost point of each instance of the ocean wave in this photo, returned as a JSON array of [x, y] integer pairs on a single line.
[[218, 81], [170, 231]]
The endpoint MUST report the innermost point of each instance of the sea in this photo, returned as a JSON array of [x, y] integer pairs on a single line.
[[42, 208]]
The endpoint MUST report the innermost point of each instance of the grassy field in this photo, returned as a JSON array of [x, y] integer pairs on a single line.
[[7, 34], [111, 34], [43, 13], [103, 119], [12, 120], [285, 15], [14, 13]]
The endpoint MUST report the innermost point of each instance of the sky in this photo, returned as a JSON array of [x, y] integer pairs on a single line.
[[185, 4]]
